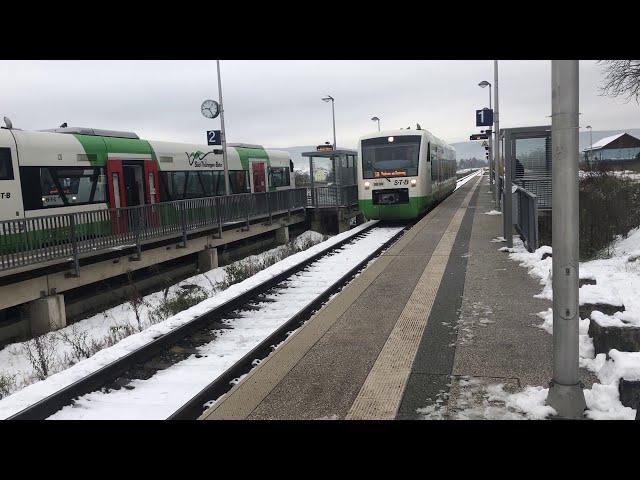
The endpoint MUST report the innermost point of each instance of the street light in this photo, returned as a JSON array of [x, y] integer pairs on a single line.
[[376, 119], [329, 98], [492, 160], [483, 84], [590, 142], [223, 136]]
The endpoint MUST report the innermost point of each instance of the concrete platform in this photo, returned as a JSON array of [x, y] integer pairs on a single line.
[[392, 341]]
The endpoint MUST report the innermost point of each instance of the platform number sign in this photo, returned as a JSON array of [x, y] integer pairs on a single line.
[[213, 137], [484, 117]]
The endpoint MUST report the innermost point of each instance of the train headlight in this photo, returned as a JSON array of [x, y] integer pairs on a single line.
[[367, 185], [414, 182]]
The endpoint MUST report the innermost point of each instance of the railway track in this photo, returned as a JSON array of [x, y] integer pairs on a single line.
[[185, 341]]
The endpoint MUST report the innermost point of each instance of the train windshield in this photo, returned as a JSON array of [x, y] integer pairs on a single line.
[[391, 156]]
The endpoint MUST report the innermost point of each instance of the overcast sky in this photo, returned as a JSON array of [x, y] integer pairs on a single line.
[[278, 103]]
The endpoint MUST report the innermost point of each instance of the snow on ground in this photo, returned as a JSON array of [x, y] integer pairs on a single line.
[[39, 390], [162, 394], [464, 180], [617, 283], [629, 174], [13, 361], [472, 398], [121, 319]]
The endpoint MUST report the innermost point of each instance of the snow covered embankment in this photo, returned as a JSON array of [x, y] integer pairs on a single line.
[[617, 283], [167, 390], [27, 388]]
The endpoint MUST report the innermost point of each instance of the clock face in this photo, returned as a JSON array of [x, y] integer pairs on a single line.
[[210, 108]]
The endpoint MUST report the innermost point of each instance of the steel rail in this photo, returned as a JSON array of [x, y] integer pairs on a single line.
[[95, 380], [221, 385]]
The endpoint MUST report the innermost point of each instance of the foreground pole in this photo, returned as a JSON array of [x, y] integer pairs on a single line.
[[565, 392], [223, 135], [496, 133]]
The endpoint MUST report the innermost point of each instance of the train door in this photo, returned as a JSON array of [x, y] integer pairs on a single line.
[[134, 191], [258, 176]]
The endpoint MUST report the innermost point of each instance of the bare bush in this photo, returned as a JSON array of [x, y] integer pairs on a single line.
[[7, 384], [81, 345], [135, 300], [41, 353], [118, 332], [178, 302], [609, 206]]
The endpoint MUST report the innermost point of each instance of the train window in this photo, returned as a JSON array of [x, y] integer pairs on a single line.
[[6, 166], [179, 181], [191, 184], [218, 182], [46, 187], [433, 153], [382, 158], [279, 177], [194, 187], [239, 180]]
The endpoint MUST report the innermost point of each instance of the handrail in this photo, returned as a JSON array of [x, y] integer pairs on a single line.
[[527, 217], [332, 196], [33, 240]]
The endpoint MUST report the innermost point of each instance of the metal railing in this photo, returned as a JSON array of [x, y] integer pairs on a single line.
[[332, 196], [34, 240], [527, 217], [540, 186]]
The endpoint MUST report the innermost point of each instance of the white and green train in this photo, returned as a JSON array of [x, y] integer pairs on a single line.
[[67, 170], [402, 173]]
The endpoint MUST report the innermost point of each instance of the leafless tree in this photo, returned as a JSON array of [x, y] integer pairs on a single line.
[[135, 300], [41, 352], [622, 78]]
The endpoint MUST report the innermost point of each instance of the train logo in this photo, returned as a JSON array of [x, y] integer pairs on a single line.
[[197, 159]]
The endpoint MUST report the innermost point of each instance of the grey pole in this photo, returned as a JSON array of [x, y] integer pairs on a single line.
[[565, 390], [496, 133], [591, 141], [223, 136], [491, 154], [507, 199], [333, 114]]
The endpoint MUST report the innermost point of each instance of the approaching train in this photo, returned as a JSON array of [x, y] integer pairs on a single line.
[[67, 170], [403, 172]]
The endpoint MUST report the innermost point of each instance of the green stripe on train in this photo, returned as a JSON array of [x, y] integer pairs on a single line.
[[247, 153], [102, 146], [404, 211]]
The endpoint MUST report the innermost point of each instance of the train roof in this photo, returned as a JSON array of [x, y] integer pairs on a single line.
[[407, 132], [93, 131]]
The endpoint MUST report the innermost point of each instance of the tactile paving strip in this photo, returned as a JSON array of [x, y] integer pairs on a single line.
[[381, 393]]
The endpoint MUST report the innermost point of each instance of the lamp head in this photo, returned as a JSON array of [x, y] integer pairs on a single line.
[[484, 83], [375, 119], [327, 98]]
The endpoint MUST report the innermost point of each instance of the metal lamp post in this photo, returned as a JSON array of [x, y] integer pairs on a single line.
[[329, 98], [223, 137], [496, 134], [565, 390], [376, 119], [492, 161], [590, 156]]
